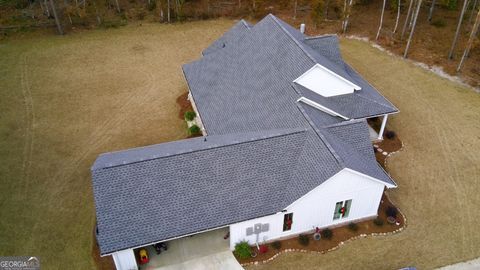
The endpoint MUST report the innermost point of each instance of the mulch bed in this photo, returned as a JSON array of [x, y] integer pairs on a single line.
[[185, 105], [340, 235], [390, 146]]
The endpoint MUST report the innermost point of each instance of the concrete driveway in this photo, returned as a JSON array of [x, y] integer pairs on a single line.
[[203, 251]]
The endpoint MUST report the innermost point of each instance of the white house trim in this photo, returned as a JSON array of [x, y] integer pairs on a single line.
[[321, 108], [125, 260], [371, 178], [325, 82], [382, 129], [333, 177]]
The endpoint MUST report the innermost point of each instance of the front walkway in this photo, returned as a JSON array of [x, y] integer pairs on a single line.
[[203, 251]]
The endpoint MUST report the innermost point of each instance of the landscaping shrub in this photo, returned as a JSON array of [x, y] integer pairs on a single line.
[[353, 227], [277, 245], [378, 221], [189, 115], [193, 130], [391, 212], [327, 233], [242, 250], [303, 240], [390, 134]]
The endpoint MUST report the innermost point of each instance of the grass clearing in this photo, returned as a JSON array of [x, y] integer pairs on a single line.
[[63, 101], [438, 171]]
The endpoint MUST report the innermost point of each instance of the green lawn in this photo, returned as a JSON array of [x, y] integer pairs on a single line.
[[64, 100]]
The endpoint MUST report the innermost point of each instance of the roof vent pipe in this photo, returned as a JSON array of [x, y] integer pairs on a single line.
[[302, 28]]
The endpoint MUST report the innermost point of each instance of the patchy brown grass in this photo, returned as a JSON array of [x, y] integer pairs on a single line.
[[437, 172], [63, 101]]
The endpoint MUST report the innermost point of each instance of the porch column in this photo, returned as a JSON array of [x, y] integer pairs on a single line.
[[382, 129]]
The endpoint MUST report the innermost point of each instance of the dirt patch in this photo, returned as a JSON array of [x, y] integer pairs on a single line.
[[184, 104], [340, 236], [388, 146]]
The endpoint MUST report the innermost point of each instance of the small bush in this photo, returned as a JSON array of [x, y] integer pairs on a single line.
[[242, 250], [390, 134], [277, 245], [378, 221], [193, 130], [327, 233], [303, 240], [439, 23], [353, 227], [189, 115], [391, 212]]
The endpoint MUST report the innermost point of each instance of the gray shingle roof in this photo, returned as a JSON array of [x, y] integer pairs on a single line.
[[264, 150], [230, 37], [353, 106], [326, 45], [200, 185]]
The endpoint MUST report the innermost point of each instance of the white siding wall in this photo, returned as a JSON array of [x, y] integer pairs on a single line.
[[125, 260], [316, 208]]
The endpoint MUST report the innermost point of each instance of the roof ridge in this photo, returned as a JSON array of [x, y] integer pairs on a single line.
[[358, 74], [369, 99], [345, 123], [275, 19], [321, 136], [245, 23], [283, 132]]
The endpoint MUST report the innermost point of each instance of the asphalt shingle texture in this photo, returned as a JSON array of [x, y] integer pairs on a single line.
[[139, 203], [264, 149]]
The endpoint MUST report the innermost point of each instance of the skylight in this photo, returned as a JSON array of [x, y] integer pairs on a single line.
[[325, 82]]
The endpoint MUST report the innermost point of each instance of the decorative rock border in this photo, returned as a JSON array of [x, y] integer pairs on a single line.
[[348, 240], [392, 153], [340, 244]]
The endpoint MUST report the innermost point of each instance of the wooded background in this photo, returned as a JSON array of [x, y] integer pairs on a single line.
[[447, 29]]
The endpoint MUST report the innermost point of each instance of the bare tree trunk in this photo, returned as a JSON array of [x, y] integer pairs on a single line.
[[457, 32], [168, 11], [398, 17], [47, 10], [347, 17], [430, 13], [470, 41], [473, 12], [413, 29], [254, 6], [57, 21], [381, 20], [118, 6], [295, 10], [409, 12], [239, 4], [99, 20], [325, 14], [177, 9]]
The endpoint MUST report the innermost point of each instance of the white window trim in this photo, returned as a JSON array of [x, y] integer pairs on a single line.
[[355, 87], [321, 108]]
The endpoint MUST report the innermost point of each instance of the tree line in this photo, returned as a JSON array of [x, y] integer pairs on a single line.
[[63, 13]]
